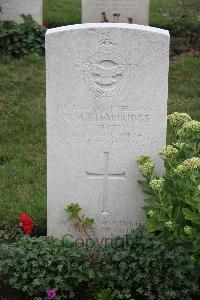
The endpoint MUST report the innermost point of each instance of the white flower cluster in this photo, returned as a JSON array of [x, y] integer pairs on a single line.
[[147, 168], [188, 165], [151, 213], [188, 230], [189, 129], [178, 119], [157, 184], [169, 225], [168, 151], [143, 159], [146, 165]]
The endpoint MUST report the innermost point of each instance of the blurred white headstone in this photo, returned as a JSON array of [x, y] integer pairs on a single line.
[[12, 10], [119, 11]]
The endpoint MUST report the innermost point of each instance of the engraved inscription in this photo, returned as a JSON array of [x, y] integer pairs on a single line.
[[113, 124], [118, 5], [106, 176], [116, 10]]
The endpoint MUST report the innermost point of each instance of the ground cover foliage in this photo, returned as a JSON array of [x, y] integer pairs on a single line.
[[139, 265]]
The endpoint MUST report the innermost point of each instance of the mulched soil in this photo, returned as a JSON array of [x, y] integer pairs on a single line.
[[7, 293]]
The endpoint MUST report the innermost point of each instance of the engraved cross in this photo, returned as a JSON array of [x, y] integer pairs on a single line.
[[106, 176]]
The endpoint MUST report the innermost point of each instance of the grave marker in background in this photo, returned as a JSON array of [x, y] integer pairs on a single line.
[[107, 87], [119, 11], [12, 9]]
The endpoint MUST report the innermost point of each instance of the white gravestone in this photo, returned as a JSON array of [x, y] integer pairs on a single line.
[[120, 11], [107, 87], [12, 10]]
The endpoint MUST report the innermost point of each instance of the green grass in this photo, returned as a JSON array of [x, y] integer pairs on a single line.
[[62, 12], [184, 87], [22, 130], [22, 138], [158, 9]]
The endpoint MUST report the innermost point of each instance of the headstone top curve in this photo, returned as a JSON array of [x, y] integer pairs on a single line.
[[109, 26]]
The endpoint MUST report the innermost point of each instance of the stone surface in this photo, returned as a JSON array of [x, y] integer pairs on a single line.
[[12, 9], [107, 87], [131, 11]]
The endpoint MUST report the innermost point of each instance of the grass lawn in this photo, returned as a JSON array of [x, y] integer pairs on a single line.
[[62, 12], [184, 87], [22, 130], [22, 137]]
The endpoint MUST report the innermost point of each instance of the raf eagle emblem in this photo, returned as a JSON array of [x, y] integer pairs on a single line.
[[106, 76], [106, 73]]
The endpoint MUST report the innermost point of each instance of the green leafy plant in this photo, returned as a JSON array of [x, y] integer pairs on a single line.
[[18, 40], [81, 222], [37, 265], [10, 234], [137, 266], [105, 294], [173, 208], [109, 294], [142, 265]]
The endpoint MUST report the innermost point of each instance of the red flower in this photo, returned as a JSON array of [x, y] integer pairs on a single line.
[[26, 223]]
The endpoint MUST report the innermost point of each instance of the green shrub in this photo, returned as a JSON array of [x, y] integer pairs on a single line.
[[18, 40], [10, 234], [36, 265], [143, 266], [173, 208], [137, 266], [106, 294], [109, 294]]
